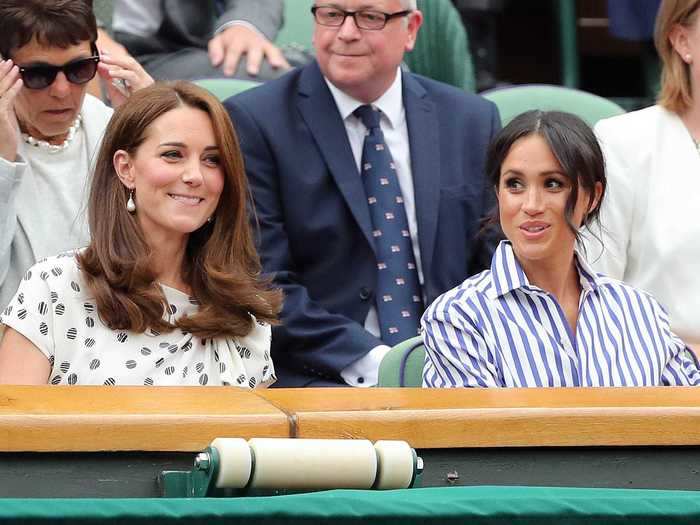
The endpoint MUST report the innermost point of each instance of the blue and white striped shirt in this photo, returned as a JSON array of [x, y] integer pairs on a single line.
[[496, 329]]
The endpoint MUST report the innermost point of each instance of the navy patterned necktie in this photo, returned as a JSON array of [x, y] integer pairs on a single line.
[[399, 302]]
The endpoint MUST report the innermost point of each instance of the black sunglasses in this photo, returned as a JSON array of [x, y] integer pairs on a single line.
[[77, 71]]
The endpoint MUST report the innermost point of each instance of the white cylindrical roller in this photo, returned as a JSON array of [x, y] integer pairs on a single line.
[[313, 463], [235, 462], [396, 465]]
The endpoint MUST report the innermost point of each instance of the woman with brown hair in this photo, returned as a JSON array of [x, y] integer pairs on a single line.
[[651, 231], [168, 291]]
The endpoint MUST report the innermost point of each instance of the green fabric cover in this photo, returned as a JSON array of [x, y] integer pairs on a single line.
[[298, 26], [442, 48], [514, 100], [468, 505], [397, 359]]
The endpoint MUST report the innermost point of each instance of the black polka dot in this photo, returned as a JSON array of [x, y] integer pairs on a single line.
[[89, 342], [89, 307], [164, 344], [240, 379], [43, 308], [72, 333], [203, 379], [55, 380], [187, 346], [172, 309], [44, 275], [153, 332], [43, 328], [22, 313], [148, 381], [20, 298], [94, 364], [54, 297], [222, 367], [122, 337], [60, 309], [109, 382], [72, 379], [252, 382], [266, 355], [172, 349], [52, 360], [65, 365], [27, 275], [75, 286], [8, 310], [145, 351], [169, 370], [266, 368], [184, 373], [56, 271], [199, 367], [216, 356], [244, 352], [159, 362], [89, 322], [130, 364]]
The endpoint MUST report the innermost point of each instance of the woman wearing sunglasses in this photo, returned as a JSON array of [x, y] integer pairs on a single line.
[[49, 128]]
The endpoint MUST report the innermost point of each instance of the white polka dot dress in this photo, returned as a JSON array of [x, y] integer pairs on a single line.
[[52, 308]]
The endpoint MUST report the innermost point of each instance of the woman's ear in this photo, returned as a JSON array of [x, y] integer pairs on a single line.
[[597, 193], [678, 37], [123, 167]]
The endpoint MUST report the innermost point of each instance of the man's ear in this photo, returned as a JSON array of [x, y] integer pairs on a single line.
[[415, 20], [123, 168]]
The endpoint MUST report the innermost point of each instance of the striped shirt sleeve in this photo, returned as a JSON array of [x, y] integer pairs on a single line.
[[456, 353]]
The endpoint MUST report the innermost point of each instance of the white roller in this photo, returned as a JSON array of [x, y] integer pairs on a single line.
[[396, 465], [313, 463], [235, 462]]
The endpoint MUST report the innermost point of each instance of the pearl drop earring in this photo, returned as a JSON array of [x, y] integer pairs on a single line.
[[688, 58], [130, 204]]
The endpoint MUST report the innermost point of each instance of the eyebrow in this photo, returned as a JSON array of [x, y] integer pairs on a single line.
[[541, 174], [183, 145]]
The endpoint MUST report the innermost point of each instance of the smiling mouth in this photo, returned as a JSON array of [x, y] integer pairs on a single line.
[[534, 229], [184, 199]]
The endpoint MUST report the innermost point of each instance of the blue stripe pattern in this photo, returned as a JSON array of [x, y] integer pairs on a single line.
[[497, 330]]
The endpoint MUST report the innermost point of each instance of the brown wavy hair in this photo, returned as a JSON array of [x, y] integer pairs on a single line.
[[675, 93], [221, 264]]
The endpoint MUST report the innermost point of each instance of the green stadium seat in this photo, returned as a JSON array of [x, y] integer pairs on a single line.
[[442, 47], [224, 88], [298, 26], [403, 365], [514, 100]]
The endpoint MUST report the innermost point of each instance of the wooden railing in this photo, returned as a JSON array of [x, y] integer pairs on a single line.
[[50, 418]]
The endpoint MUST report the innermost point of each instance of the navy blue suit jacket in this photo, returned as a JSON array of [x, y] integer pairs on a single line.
[[314, 227]]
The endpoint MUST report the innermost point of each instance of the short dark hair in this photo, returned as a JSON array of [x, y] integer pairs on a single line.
[[573, 144], [60, 23]]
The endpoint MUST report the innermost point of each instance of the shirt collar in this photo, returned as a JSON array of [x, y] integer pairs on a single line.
[[508, 275], [390, 103]]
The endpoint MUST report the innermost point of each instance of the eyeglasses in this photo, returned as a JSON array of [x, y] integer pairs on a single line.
[[364, 18], [77, 71]]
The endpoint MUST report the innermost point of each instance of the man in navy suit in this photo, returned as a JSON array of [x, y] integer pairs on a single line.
[[303, 146]]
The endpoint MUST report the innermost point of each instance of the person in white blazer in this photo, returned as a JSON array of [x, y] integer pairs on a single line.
[[650, 234]]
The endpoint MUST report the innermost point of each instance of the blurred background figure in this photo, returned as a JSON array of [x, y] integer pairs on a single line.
[[193, 39], [167, 292]]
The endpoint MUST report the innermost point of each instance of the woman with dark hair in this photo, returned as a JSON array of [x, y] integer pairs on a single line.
[[653, 162], [168, 290], [49, 129], [540, 316]]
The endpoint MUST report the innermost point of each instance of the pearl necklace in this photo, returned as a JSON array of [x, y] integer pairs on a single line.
[[54, 148]]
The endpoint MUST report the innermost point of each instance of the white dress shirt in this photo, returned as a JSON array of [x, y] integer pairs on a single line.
[[364, 371]]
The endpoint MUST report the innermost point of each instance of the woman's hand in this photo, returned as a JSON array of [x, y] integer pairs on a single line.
[[123, 75], [10, 85]]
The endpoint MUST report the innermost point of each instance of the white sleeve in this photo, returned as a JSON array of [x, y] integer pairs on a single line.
[[10, 176]]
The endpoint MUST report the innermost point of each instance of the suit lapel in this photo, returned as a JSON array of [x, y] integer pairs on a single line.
[[424, 141], [319, 111]]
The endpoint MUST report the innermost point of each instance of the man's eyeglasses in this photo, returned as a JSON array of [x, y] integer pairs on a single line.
[[364, 18], [77, 71]]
